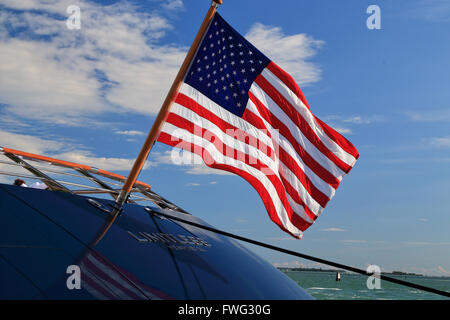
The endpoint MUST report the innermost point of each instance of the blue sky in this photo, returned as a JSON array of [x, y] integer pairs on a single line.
[[91, 95]]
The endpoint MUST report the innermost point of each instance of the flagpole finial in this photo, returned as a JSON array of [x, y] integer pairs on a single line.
[[217, 2]]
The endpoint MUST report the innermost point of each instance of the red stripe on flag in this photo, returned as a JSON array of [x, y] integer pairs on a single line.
[[290, 163], [288, 81], [307, 159], [224, 149], [339, 139], [239, 134], [296, 197], [315, 193], [259, 187], [298, 120], [292, 85]]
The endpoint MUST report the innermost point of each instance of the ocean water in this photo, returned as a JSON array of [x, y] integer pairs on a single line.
[[323, 286]]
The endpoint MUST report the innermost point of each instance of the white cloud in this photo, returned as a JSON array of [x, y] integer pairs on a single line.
[[173, 5], [115, 63], [418, 243], [64, 150], [110, 164], [353, 241], [282, 238], [357, 119], [142, 86], [443, 142], [53, 6], [341, 123], [415, 160], [203, 169], [288, 51], [130, 132], [333, 229], [436, 115], [428, 10], [342, 130], [192, 184], [26, 143], [34, 85], [59, 149], [29, 143], [162, 157], [426, 243], [190, 162]]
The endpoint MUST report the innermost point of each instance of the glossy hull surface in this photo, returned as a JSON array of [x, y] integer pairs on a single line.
[[51, 248]]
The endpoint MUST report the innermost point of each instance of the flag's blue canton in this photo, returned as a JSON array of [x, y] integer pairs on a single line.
[[225, 66]]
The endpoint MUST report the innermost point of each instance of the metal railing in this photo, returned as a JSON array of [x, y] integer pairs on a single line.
[[65, 176]]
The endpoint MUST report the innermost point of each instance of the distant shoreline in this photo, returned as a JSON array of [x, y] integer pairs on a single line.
[[393, 273]]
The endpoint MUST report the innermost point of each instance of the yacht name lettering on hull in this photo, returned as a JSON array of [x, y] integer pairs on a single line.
[[176, 242]]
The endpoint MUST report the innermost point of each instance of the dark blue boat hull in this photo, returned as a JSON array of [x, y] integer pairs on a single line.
[[46, 235]]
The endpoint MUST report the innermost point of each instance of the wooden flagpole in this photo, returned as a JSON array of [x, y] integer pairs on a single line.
[[162, 115]]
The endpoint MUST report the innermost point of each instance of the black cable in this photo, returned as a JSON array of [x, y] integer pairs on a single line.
[[304, 256]]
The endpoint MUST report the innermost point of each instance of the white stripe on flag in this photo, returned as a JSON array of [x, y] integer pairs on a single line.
[[237, 121], [217, 156], [252, 151], [225, 138], [295, 131], [308, 117], [289, 149]]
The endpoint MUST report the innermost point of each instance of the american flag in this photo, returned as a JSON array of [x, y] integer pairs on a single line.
[[242, 113]]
